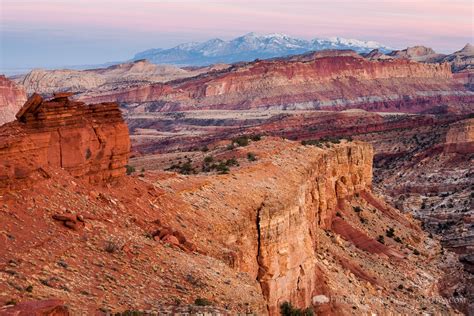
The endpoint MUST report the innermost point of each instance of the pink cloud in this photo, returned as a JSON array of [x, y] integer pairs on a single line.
[[402, 22]]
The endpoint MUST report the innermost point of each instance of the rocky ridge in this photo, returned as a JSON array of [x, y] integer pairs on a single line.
[[461, 62], [139, 72], [305, 229]]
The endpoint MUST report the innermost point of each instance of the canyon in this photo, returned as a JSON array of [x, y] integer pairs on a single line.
[[296, 223], [335, 181], [427, 171]]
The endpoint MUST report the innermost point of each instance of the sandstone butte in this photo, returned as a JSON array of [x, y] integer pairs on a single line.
[[320, 82], [90, 141], [299, 224], [12, 98]]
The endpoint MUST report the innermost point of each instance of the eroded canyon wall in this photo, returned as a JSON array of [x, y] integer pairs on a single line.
[[332, 82], [290, 222], [287, 221]]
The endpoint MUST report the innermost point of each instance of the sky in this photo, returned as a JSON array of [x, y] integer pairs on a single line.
[[55, 33]]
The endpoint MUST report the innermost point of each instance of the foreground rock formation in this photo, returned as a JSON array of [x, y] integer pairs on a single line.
[[12, 98], [322, 82], [296, 223], [89, 141]]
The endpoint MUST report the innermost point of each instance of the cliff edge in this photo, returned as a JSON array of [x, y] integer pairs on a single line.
[[295, 224]]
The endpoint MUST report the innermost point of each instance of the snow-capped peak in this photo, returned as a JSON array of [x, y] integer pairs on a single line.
[[251, 46]]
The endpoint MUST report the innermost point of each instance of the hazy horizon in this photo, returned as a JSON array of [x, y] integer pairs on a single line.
[[55, 33]]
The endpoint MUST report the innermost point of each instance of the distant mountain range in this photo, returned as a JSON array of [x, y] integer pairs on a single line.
[[250, 47]]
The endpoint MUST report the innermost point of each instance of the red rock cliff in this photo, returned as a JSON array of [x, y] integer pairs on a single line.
[[299, 224], [12, 98], [289, 223], [323, 82], [86, 140]]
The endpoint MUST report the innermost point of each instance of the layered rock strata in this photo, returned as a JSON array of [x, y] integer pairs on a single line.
[[12, 98], [327, 82], [88, 141], [140, 72]]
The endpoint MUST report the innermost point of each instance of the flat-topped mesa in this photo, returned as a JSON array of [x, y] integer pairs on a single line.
[[333, 83], [88, 141]]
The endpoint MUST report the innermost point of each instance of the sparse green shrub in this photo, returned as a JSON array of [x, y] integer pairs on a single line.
[[416, 252], [208, 159], [256, 137], [381, 239], [357, 209], [231, 162], [205, 149], [398, 239], [390, 232], [130, 169], [286, 309], [111, 246], [202, 302], [334, 140], [251, 156], [320, 142], [186, 168], [241, 141], [312, 142], [222, 168]]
